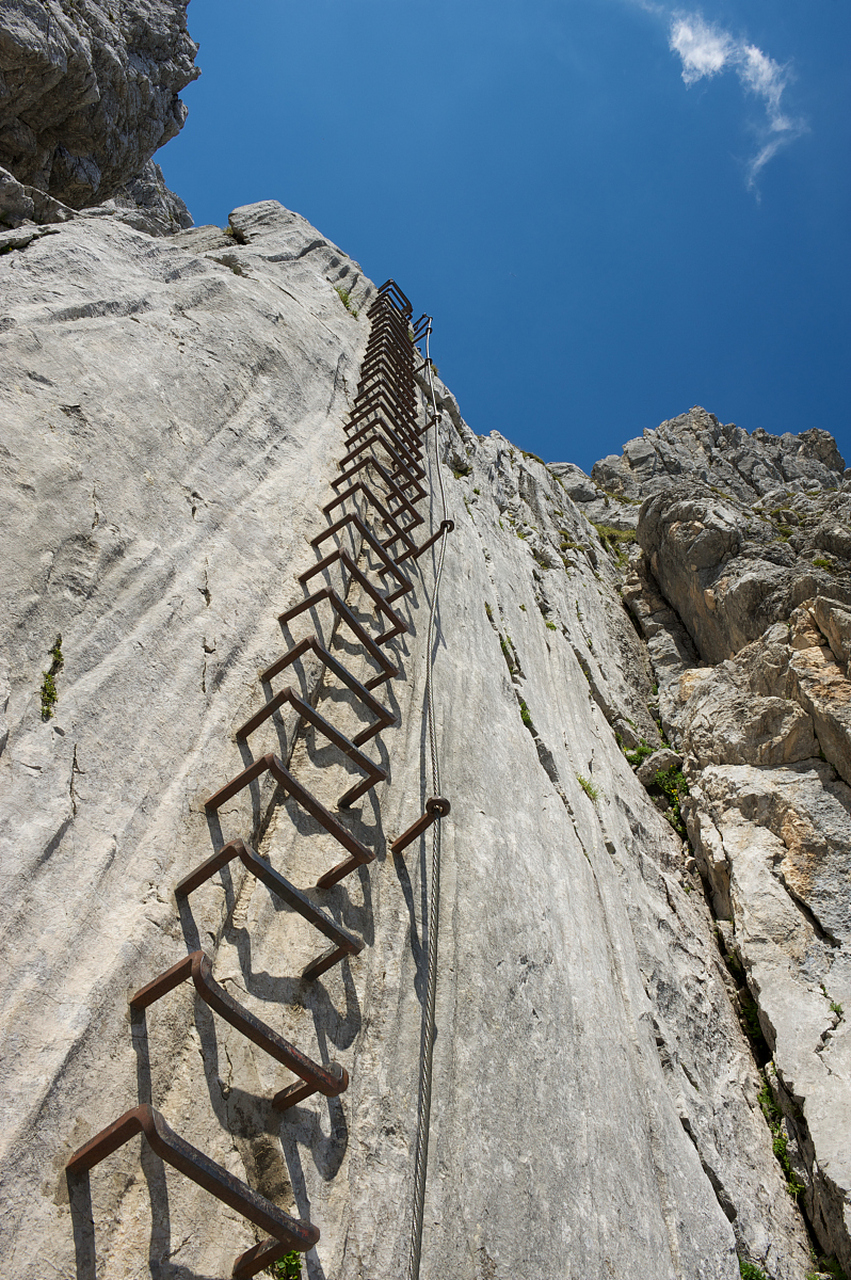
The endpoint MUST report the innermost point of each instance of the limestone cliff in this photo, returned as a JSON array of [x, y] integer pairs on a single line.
[[642, 1064], [608, 992]]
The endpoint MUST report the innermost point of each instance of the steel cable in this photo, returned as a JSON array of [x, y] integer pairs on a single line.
[[428, 1021]]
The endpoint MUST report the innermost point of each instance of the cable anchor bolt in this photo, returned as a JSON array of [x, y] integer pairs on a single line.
[[436, 807]]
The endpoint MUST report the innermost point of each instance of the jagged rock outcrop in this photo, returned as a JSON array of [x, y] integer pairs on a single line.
[[742, 593], [88, 92], [177, 408]]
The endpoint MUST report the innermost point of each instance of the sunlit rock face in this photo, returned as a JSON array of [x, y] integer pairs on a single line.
[[742, 591], [176, 416], [642, 689], [89, 91]]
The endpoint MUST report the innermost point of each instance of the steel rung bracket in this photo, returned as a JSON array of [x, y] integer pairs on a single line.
[[400, 533], [406, 443], [331, 1080], [353, 518], [378, 655], [406, 505], [271, 764], [377, 433], [446, 526], [374, 773], [289, 1233], [343, 943], [362, 691], [383, 605], [391, 287]]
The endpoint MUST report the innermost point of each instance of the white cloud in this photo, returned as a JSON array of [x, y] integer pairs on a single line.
[[705, 50]]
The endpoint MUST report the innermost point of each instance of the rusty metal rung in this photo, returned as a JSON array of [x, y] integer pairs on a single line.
[[289, 1233], [382, 603], [378, 433], [344, 944], [387, 517], [436, 807], [353, 518], [362, 691], [406, 504], [367, 404], [388, 671], [330, 1081], [271, 764], [374, 773], [391, 287], [446, 526]]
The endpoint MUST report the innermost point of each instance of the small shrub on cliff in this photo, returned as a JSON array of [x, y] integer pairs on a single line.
[[748, 1271], [779, 1141], [826, 1266], [48, 689], [640, 753], [592, 792], [674, 785], [287, 1268], [345, 297], [615, 540]]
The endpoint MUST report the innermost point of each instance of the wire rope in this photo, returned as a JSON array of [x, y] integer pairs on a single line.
[[428, 1021]]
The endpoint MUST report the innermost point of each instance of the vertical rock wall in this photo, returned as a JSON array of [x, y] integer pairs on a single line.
[[178, 412]]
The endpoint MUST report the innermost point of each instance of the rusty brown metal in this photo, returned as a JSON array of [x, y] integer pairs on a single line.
[[289, 1233], [388, 349], [408, 448], [401, 429], [379, 398], [373, 771], [388, 671], [400, 477], [400, 533], [271, 764], [378, 432], [352, 518], [362, 691], [330, 1081], [390, 292], [343, 943], [406, 504], [398, 625], [436, 807], [376, 437], [390, 317], [445, 526], [387, 362], [391, 301]]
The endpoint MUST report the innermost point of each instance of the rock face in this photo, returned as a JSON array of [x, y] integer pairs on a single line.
[[741, 591], [176, 414], [89, 91]]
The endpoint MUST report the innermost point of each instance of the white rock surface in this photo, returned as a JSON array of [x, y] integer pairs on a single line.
[[173, 419]]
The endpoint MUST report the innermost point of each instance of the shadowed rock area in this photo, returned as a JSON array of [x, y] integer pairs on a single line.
[[89, 91]]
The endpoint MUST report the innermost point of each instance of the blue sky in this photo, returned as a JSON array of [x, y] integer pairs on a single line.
[[614, 209]]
